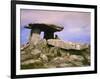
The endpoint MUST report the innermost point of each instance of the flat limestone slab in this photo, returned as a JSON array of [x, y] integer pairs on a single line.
[[66, 45], [45, 27]]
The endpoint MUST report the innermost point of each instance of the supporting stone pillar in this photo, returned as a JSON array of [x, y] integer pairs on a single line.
[[36, 29], [48, 35], [35, 36]]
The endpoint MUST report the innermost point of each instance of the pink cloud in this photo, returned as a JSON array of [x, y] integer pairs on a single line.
[[74, 23]]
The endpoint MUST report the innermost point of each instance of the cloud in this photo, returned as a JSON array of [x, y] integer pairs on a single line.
[[74, 23]]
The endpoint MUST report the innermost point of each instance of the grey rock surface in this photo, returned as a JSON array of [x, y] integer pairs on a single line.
[[66, 45], [43, 55]]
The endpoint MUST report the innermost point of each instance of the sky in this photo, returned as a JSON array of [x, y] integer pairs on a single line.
[[77, 25]]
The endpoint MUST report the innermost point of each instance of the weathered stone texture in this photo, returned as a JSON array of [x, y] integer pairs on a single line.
[[44, 55]]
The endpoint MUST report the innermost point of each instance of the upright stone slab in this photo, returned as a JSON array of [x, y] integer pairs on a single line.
[[37, 28]]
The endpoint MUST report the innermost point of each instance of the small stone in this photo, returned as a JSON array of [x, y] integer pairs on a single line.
[[44, 57], [57, 60], [31, 61], [77, 64], [35, 53], [26, 57], [65, 65], [23, 52], [76, 58]]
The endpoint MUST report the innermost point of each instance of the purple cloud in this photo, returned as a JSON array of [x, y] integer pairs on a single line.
[[76, 24]]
